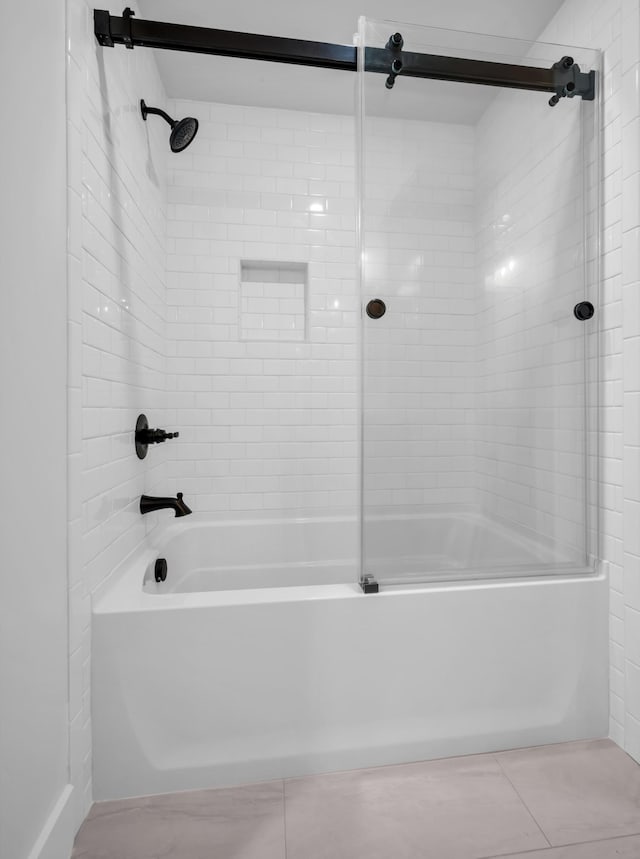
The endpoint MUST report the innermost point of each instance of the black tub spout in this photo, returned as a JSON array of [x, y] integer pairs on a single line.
[[148, 504]]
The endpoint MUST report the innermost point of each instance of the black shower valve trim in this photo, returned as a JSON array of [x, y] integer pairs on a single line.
[[155, 436], [144, 436]]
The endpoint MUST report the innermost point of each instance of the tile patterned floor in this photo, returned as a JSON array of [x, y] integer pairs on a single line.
[[570, 801]]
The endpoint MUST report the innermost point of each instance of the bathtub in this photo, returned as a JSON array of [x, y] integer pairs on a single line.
[[261, 658]]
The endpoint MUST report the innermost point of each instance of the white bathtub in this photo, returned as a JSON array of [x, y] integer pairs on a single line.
[[205, 555], [261, 658]]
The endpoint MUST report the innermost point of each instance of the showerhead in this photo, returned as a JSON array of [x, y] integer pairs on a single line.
[[182, 133], [182, 130]]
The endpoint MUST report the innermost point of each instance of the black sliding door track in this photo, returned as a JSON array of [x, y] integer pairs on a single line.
[[563, 79]]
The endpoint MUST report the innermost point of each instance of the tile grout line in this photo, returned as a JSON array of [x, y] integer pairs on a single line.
[[517, 792], [535, 850], [284, 815], [531, 852]]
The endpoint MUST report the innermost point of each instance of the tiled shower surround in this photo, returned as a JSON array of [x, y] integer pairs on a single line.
[[156, 244], [273, 425], [419, 359], [267, 424], [117, 336], [532, 354]]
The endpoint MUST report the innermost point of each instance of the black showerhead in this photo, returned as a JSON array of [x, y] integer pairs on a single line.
[[182, 130], [183, 133]]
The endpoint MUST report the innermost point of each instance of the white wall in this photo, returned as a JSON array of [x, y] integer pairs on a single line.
[[531, 368], [626, 673], [271, 422], [34, 790], [117, 216], [265, 423], [419, 370], [614, 26]]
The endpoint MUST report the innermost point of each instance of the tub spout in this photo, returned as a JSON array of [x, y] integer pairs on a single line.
[[148, 504]]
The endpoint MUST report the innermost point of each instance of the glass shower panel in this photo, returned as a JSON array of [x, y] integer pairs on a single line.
[[478, 237]]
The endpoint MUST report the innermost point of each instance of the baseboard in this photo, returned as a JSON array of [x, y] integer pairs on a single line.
[[56, 838]]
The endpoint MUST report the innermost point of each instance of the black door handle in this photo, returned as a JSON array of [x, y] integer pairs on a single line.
[[376, 308]]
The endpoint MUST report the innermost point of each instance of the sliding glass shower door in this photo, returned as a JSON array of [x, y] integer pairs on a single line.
[[479, 247]]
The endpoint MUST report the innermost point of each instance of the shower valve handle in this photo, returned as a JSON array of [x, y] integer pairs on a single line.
[[144, 436], [155, 436]]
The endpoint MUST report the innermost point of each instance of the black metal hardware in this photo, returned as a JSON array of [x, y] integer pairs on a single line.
[[376, 308], [155, 436], [102, 28], [145, 436], [396, 42], [112, 30], [396, 68], [571, 81], [369, 585], [127, 15], [149, 504], [182, 130], [160, 570], [142, 446], [156, 111], [583, 310]]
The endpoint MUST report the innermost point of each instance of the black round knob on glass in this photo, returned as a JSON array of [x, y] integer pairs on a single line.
[[145, 436], [376, 308], [583, 310]]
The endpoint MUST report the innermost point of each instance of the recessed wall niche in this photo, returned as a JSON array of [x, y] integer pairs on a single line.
[[273, 300]]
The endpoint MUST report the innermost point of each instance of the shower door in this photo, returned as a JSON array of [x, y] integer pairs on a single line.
[[478, 241]]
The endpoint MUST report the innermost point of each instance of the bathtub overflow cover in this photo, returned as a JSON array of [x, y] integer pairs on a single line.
[[161, 569]]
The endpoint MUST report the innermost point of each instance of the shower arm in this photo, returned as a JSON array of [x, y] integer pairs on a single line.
[[156, 111], [564, 78]]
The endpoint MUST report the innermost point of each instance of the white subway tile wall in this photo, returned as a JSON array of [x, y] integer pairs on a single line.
[[117, 329], [419, 373], [159, 322], [531, 368], [614, 27], [625, 593], [257, 407], [273, 301], [267, 405]]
